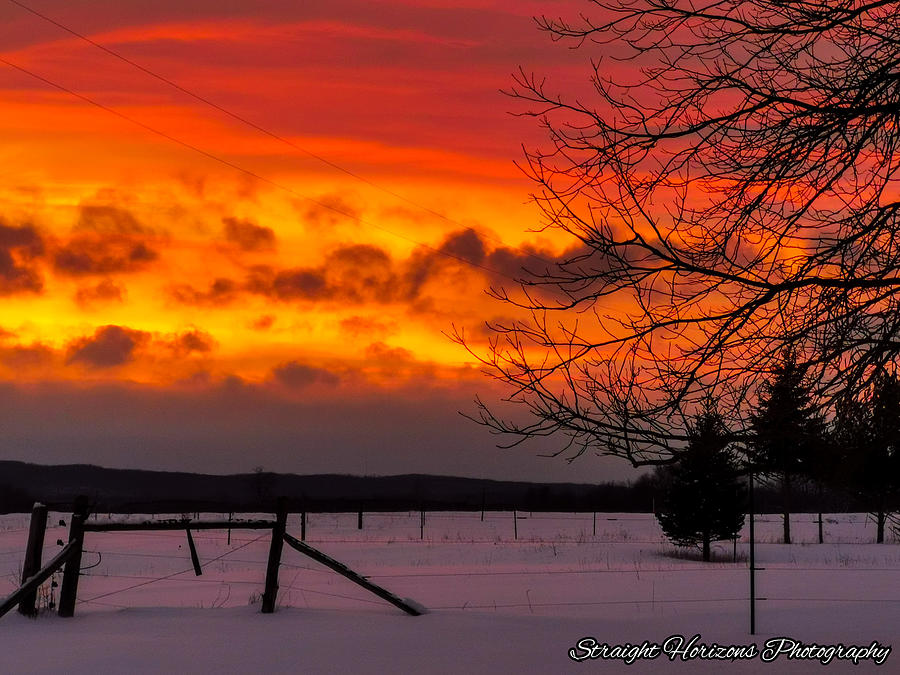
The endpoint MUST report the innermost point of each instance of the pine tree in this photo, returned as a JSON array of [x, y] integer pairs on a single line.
[[703, 497], [866, 432], [786, 430]]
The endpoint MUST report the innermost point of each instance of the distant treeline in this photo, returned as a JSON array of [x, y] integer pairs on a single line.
[[135, 491]]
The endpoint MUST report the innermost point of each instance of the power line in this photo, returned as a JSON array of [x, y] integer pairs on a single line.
[[253, 125], [248, 172]]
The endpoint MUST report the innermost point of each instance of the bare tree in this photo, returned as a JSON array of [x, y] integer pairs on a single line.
[[735, 195]]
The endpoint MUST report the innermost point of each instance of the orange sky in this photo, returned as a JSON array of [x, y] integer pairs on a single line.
[[132, 264]]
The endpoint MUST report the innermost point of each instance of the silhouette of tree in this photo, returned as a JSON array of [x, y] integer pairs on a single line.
[[730, 183], [866, 432], [703, 499], [787, 433]]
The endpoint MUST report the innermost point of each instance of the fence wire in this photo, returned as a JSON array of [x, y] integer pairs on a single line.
[[338, 530]]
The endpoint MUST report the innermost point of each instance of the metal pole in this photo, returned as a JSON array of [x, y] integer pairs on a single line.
[[752, 564]]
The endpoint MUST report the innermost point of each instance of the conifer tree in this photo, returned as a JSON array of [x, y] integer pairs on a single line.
[[787, 432], [866, 432], [703, 497]]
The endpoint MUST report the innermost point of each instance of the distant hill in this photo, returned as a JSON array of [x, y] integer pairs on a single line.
[[137, 491]]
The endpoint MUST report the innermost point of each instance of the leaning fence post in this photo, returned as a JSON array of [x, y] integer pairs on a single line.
[[69, 591], [269, 595], [195, 559], [33, 553]]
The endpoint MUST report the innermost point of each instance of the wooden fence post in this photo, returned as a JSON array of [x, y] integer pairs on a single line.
[[303, 526], [33, 553], [195, 559], [69, 591], [345, 571], [515, 525], [271, 592], [359, 521]]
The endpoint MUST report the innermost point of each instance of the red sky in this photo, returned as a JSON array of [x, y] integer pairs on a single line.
[[163, 309]]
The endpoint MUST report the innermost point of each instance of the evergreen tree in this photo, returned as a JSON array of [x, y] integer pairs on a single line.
[[786, 431], [867, 434], [703, 497]]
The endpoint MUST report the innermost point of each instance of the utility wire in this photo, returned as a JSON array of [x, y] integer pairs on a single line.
[[248, 172], [271, 134]]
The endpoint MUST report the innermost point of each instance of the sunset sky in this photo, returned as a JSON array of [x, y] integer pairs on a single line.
[[241, 302]]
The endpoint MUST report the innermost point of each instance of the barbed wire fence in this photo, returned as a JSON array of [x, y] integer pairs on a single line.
[[112, 581]]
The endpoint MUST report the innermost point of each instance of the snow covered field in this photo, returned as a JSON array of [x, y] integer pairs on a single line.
[[497, 604]]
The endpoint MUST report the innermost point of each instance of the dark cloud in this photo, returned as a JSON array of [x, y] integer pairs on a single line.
[[357, 256], [105, 290], [248, 235], [361, 326], [193, 341], [19, 247], [17, 278], [502, 265], [87, 255], [364, 273], [465, 244], [26, 238], [108, 219], [108, 347], [355, 273], [505, 262], [25, 357], [379, 351], [264, 322], [521, 263], [330, 210], [302, 283], [298, 375], [220, 292]]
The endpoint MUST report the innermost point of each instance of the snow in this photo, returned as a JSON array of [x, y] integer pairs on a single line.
[[495, 604]]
